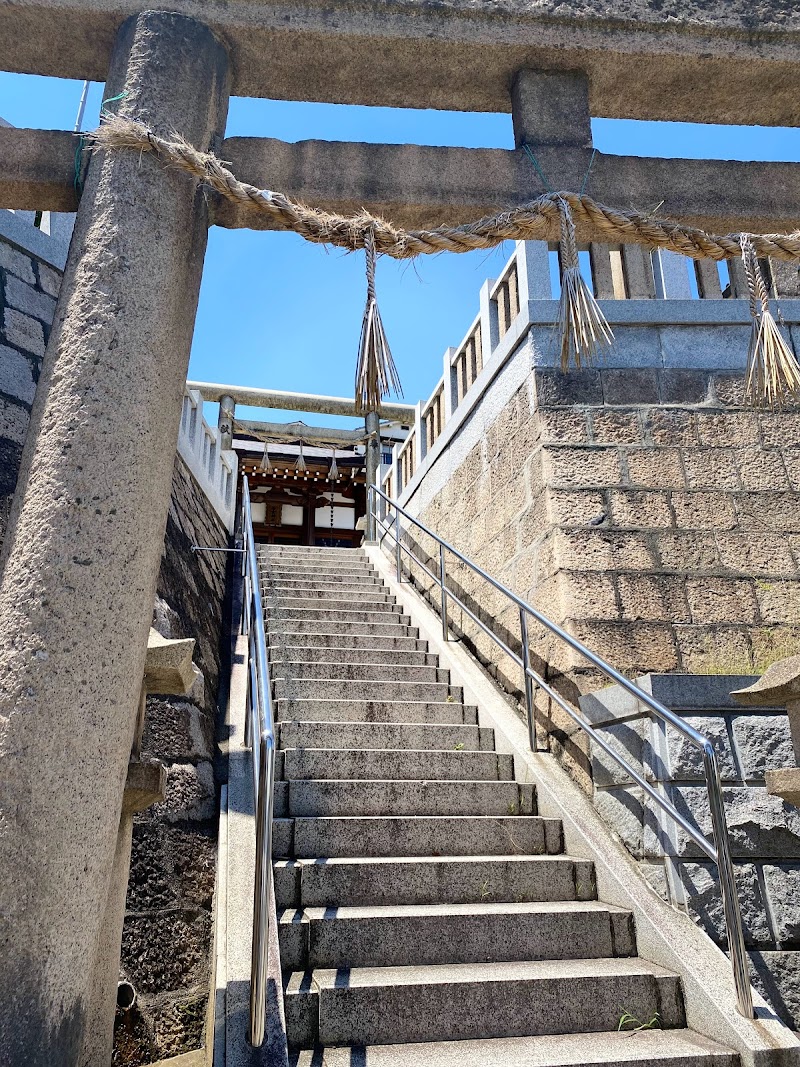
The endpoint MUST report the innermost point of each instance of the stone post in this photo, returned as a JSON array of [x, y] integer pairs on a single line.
[[372, 424], [551, 107], [86, 535], [227, 413], [490, 325]]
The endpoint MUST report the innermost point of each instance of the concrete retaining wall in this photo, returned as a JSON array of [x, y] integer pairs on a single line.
[[640, 504]]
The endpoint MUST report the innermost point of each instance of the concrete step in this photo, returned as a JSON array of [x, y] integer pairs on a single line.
[[312, 552], [347, 583], [648, 1048], [317, 570], [319, 638], [285, 628], [352, 607], [284, 587], [470, 1001], [337, 881], [420, 835], [365, 689], [315, 797], [383, 672], [371, 735], [397, 711], [372, 595], [396, 765], [334, 618], [279, 654], [405, 935]]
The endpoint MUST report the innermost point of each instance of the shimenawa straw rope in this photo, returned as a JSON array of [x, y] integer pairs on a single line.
[[773, 374]]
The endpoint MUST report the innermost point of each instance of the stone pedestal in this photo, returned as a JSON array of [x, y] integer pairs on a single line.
[[86, 535]]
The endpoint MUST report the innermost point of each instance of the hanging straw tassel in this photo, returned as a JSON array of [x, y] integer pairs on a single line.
[[265, 464], [773, 374], [333, 472], [581, 324], [376, 374], [300, 465]]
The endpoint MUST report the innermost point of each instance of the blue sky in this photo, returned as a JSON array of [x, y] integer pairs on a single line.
[[280, 313]]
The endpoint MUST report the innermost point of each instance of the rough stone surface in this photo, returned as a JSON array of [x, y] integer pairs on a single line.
[[763, 742], [17, 375], [190, 793], [685, 758], [783, 889], [776, 975], [705, 902]]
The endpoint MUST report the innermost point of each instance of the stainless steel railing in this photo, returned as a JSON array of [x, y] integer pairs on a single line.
[[260, 737], [718, 852]]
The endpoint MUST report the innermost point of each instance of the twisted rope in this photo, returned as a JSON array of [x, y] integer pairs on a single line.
[[539, 220]]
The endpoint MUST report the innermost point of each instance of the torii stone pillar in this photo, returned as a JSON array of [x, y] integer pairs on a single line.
[[86, 534]]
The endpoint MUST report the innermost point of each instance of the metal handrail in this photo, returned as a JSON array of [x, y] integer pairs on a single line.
[[718, 852], [260, 737]]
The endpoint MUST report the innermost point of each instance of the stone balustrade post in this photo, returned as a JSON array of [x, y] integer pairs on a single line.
[[86, 534], [490, 325]]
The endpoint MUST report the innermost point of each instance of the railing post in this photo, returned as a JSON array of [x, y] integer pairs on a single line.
[[442, 576], [733, 916], [526, 664]]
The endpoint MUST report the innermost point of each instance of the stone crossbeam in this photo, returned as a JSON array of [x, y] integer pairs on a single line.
[[417, 186], [720, 62], [37, 170]]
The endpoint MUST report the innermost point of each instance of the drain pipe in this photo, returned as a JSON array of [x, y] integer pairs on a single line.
[[126, 996]]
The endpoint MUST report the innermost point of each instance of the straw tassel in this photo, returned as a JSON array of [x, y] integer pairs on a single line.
[[333, 472], [265, 464], [376, 374], [300, 465], [581, 324], [773, 374]]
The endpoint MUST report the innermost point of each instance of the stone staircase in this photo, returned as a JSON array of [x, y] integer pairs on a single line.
[[427, 913]]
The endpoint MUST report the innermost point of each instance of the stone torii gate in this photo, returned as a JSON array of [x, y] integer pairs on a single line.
[[85, 537]]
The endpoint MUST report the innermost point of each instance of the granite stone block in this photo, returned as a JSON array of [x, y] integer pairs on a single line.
[[686, 759], [23, 331], [783, 892], [30, 300], [704, 901], [16, 375], [776, 975], [764, 743], [16, 263], [759, 825]]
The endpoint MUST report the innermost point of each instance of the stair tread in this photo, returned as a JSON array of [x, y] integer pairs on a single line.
[[514, 857], [477, 973], [647, 1048], [401, 911]]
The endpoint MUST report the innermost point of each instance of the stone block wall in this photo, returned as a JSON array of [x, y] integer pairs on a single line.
[[28, 290], [641, 505], [764, 831]]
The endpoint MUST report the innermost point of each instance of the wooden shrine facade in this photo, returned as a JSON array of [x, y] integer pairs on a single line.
[[296, 507]]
